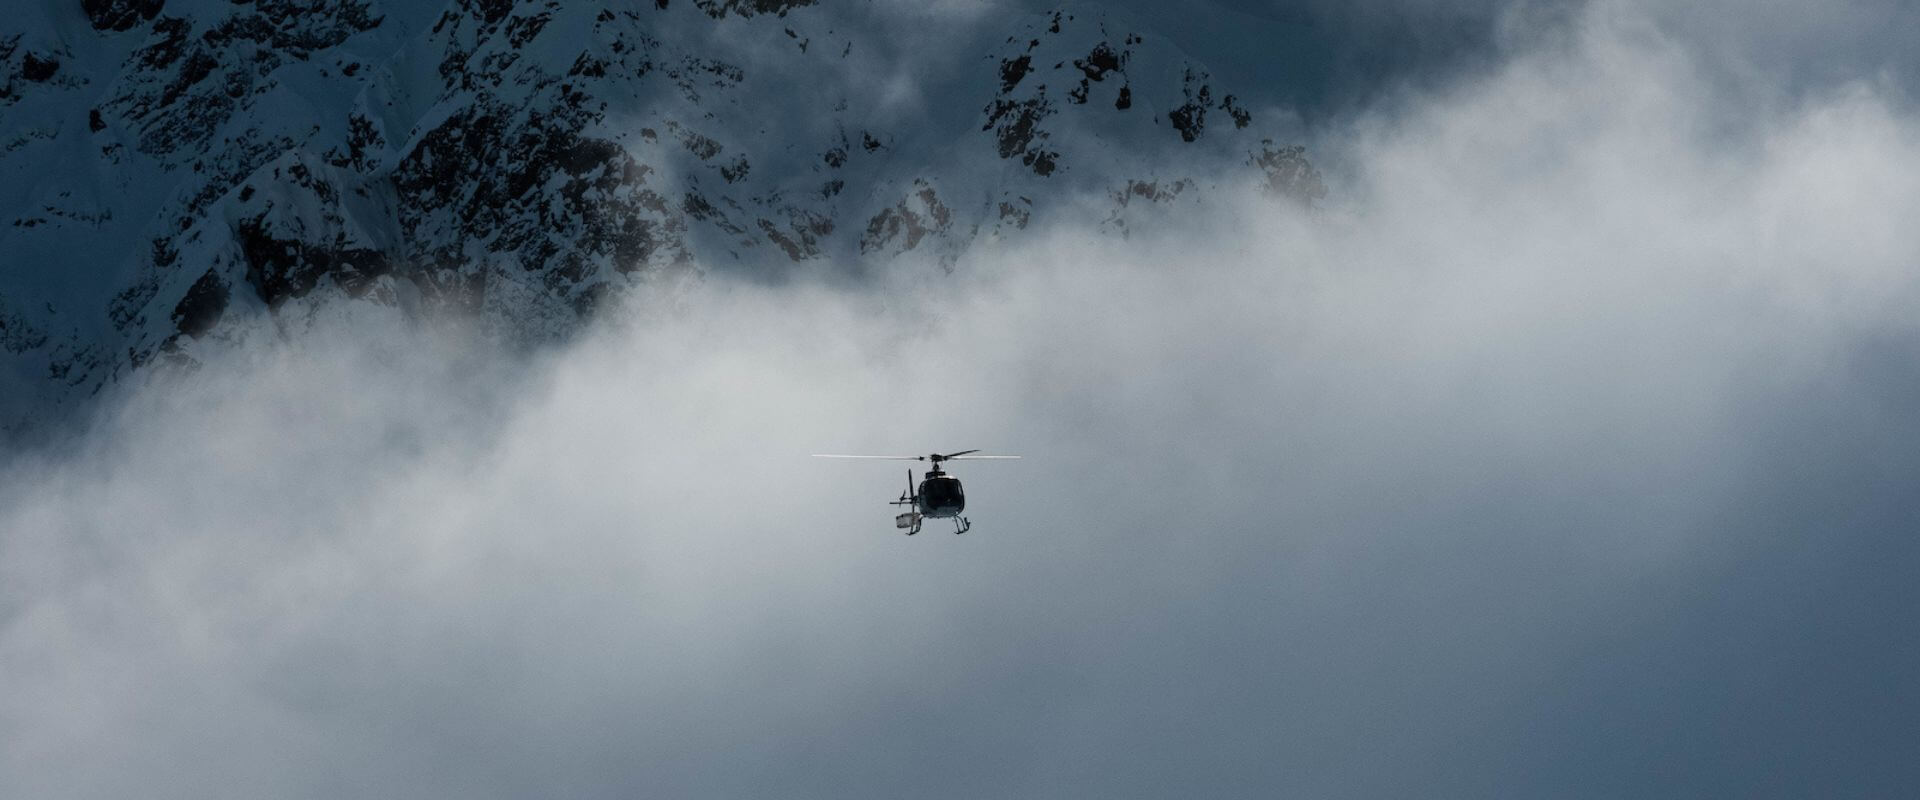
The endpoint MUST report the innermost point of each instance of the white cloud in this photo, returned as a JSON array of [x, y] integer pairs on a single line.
[[1350, 505]]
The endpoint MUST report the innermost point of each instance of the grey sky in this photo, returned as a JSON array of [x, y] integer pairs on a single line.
[[1569, 453], [1336, 56]]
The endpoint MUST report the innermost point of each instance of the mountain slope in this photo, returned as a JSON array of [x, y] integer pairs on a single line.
[[188, 175]]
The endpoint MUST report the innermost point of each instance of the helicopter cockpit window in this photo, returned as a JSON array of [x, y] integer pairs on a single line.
[[941, 493]]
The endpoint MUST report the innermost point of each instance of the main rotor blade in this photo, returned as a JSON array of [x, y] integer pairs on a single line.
[[960, 456]]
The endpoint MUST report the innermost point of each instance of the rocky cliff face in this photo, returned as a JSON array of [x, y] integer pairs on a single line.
[[182, 175]]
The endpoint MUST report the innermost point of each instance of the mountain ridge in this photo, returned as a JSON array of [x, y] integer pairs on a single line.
[[183, 168]]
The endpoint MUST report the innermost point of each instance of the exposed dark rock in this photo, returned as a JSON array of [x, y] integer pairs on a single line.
[[163, 254], [1190, 120], [164, 44], [1012, 70], [196, 68], [16, 334], [37, 68], [1136, 191], [796, 37], [521, 30], [1152, 191], [202, 307], [1241, 117], [907, 222], [1102, 60], [295, 27], [1016, 129], [119, 15], [801, 239], [490, 11], [125, 307], [1288, 172], [1018, 216], [220, 171], [362, 139], [696, 206], [185, 87], [282, 269], [588, 66], [747, 8], [530, 188], [693, 74], [701, 146]]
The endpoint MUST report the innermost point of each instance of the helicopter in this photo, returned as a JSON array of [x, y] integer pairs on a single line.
[[938, 495]]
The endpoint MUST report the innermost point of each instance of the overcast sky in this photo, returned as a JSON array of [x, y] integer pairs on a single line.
[[1569, 451], [1349, 51]]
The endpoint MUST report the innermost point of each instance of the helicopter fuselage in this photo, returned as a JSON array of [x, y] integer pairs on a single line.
[[940, 496]]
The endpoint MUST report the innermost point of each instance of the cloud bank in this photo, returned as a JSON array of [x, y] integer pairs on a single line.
[[1569, 452]]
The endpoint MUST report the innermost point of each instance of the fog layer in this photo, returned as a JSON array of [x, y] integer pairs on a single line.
[[1569, 451]]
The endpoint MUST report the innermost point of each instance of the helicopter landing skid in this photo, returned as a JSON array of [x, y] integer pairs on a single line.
[[961, 525]]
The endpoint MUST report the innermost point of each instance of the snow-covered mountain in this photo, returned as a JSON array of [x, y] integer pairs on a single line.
[[185, 174]]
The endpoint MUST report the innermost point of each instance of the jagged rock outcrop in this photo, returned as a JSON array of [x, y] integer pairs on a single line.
[[524, 161], [120, 15]]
